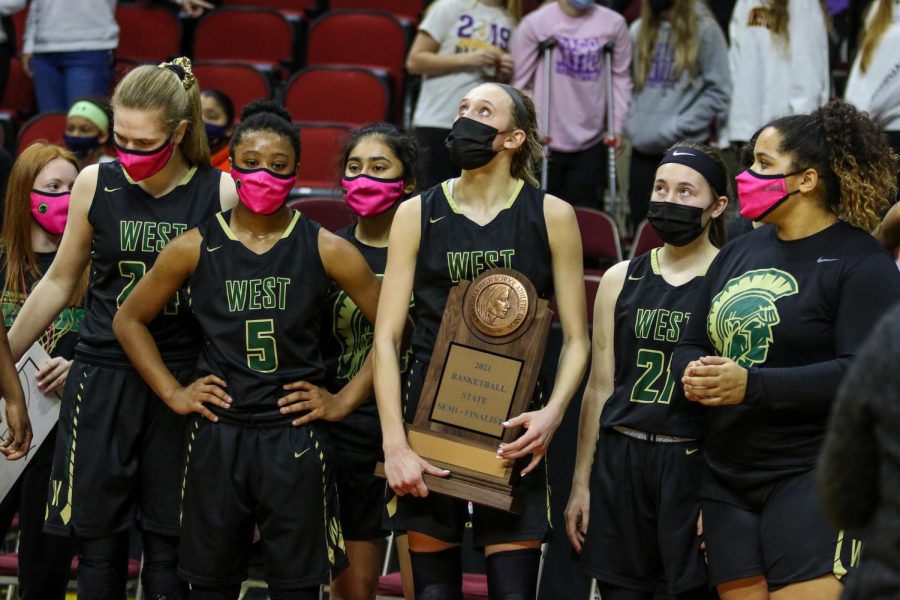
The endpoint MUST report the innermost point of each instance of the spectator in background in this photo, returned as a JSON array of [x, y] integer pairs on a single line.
[[858, 478], [36, 214], [87, 130], [460, 44], [7, 45], [578, 91], [779, 63], [874, 84], [682, 86], [68, 49], [218, 118]]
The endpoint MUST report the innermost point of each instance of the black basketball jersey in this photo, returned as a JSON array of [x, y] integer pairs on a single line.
[[259, 313], [453, 247], [131, 227], [650, 317]]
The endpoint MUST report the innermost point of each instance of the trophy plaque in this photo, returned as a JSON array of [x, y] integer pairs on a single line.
[[483, 371]]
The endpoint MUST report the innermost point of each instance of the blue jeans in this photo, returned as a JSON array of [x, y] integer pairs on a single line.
[[60, 78]]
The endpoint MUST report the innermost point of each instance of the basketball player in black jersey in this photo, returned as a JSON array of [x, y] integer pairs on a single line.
[[119, 451], [259, 276], [489, 217], [381, 165], [780, 315], [634, 506]]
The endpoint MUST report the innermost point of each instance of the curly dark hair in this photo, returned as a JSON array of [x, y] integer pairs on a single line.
[[403, 144], [856, 166], [266, 115]]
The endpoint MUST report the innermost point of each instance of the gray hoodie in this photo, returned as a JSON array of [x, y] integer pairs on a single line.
[[71, 26], [668, 110]]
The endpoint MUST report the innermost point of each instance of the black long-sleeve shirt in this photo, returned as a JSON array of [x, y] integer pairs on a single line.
[[859, 472], [794, 313]]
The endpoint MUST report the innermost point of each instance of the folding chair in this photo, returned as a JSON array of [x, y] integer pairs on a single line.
[[599, 237], [147, 33], [338, 94], [348, 38], [241, 82], [330, 213], [50, 126], [260, 36], [645, 239]]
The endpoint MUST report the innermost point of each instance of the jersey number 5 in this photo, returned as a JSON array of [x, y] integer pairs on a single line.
[[262, 352], [646, 388]]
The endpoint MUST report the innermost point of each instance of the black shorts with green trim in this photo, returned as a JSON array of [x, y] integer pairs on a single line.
[[643, 514], [770, 527], [119, 455], [265, 474]]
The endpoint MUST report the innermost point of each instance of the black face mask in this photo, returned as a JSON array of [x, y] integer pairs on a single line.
[[471, 143], [676, 224], [659, 6]]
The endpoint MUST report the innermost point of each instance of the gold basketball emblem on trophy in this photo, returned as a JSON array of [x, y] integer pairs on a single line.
[[500, 305]]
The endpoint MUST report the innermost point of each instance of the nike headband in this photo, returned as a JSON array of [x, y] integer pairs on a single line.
[[700, 162], [91, 112]]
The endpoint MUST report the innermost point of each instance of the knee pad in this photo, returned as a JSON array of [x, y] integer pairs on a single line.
[[103, 567], [308, 593], [224, 592], [437, 575], [512, 575], [159, 575], [613, 592]]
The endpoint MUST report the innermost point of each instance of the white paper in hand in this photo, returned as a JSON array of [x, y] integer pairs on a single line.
[[43, 410]]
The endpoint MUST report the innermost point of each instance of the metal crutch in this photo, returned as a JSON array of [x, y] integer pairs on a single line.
[[546, 48], [610, 140]]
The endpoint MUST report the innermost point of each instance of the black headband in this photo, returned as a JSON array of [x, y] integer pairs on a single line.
[[711, 170], [516, 97]]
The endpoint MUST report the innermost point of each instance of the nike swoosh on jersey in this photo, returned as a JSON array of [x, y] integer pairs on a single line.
[[208, 249], [690, 451], [822, 259], [433, 220], [106, 189], [299, 454], [633, 278]]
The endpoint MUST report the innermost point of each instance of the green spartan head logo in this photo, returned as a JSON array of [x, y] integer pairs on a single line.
[[43, 208], [742, 315]]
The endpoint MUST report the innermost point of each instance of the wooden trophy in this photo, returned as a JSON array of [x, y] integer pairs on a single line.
[[483, 371]]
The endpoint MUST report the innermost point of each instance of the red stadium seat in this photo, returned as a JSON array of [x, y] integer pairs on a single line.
[[285, 6], [50, 126], [336, 94], [364, 38], [319, 146], [18, 97], [147, 33], [410, 10], [330, 213], [260, 36], [645, 239], [591, 285], [599, 236], [240, 82]]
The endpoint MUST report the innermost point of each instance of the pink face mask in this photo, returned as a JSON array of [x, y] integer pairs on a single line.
[[50, 210], [143, 164], [761, 194], [261, 190], [369, 196]]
